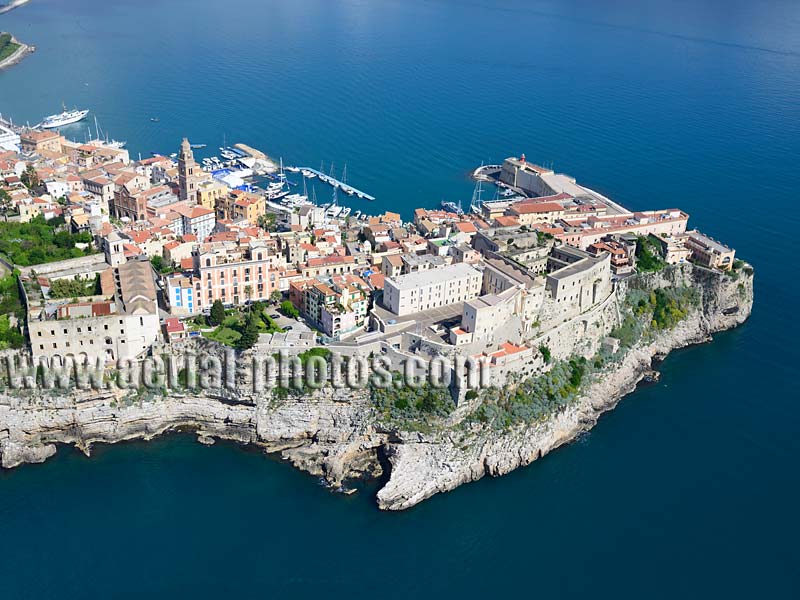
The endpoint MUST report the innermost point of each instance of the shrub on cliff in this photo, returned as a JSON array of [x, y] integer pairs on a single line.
[[535, 399], [647, 256], [412, 404], [37, 241], [546, 354]]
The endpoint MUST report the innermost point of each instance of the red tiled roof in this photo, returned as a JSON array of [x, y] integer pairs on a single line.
[[526, 208]]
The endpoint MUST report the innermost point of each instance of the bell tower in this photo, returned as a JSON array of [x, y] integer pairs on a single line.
[[187, 172]]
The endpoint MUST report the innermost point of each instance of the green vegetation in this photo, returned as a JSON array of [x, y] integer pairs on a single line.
[[237, 329], [249, 333], [288, 309], [10, 337], [417, 407], [321, 352], [666, 305], [535, 399], [629, 332], [10, 302], [224, 335], [546, 354], [10, 306], [38, 242], [29, 178], [648, 257], [738, 267], [217, 315], [74, 288], [269, 221], [160, 265], [7, 47], [542, 237], [654, 310]]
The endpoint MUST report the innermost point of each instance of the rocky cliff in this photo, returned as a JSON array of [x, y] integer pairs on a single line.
[[336, 434]]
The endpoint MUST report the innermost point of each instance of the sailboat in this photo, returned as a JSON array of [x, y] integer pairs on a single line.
[[476, 205], [346, 188], [106, 142]]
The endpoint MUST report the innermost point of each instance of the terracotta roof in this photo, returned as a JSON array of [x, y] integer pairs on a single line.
[[526, 208]]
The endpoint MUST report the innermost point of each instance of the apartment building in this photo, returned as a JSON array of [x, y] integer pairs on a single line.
[[232, 274], [431, 288]]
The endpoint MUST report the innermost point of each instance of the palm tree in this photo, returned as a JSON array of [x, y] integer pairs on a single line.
[[248, 292]]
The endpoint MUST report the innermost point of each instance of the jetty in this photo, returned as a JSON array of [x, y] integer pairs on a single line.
[[8, 7], [12, 50], [335, 183]]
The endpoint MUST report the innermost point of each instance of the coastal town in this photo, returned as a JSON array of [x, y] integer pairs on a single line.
[[157, 251]]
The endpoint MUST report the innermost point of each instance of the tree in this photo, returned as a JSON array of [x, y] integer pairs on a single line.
[[249, 333], [29, 178], [289, 310], [158, 263], [546, 354], [275, 297], [217, 315]]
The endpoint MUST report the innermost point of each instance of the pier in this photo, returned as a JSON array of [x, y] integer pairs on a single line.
[[333, 182]]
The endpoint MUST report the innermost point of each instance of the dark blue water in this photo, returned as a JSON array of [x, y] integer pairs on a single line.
[[690, 488]]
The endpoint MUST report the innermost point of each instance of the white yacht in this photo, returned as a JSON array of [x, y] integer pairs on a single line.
[[65, 118]]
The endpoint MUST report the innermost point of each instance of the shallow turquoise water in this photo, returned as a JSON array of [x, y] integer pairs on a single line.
[[689, 488]]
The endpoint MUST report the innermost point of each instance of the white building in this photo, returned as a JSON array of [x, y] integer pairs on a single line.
[[8, 139], [180, 295], [120, 324], [433, 288], [196, 220]]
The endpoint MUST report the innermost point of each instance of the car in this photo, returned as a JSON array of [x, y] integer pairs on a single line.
[[274, 316], [287, 328]]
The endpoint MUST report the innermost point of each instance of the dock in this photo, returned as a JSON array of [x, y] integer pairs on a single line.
[[332, 181]]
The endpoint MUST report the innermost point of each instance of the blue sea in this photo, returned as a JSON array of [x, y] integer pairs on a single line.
[[689, 489]]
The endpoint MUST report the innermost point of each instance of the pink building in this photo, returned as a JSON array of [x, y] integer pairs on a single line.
[[232, 275]]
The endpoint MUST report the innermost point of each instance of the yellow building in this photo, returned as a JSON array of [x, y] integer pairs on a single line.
[[209, 192], [238, 205], [250, 208]]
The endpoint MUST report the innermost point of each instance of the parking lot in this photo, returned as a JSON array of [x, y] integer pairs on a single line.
[[283, 321]]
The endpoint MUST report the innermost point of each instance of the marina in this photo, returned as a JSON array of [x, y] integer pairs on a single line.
[[310, 173]]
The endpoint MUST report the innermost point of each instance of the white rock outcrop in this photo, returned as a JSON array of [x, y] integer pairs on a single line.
[[336, 435]]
